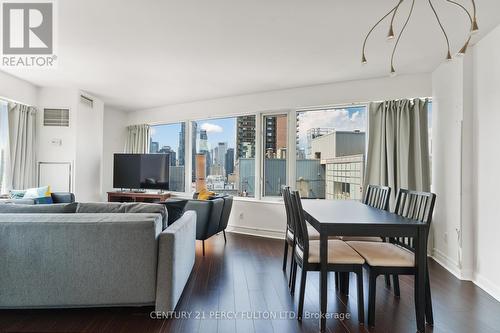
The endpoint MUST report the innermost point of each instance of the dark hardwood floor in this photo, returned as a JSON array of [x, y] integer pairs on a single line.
[[244, 278]]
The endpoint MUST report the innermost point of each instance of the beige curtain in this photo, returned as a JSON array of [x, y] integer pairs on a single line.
[[22, 142], [137, 139], [398, 145]]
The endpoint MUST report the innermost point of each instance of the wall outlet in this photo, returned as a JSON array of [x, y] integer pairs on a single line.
[[241, 216]]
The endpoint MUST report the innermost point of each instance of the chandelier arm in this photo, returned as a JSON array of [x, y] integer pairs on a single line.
[[441, 26], [463, 8], [400, 34], [376, 24], [395, 11], [474, 8]]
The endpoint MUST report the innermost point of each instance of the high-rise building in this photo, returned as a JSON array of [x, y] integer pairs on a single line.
[[153, 147], [275, 128], [245, 137], [194, 130], [182, 145], [229, 162], [221, 153], [204, 149], [171, 152]]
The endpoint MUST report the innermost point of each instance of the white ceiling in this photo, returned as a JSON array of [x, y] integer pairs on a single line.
[[140, 54]]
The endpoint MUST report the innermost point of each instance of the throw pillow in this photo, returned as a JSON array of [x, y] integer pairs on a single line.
[[205, 195], [17, 194], [175, 208], [41, 195]]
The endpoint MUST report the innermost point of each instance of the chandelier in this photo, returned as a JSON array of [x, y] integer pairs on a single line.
[[391, 36]]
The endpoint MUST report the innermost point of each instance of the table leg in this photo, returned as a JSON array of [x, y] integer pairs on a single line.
[[421, 258], [323, 286]]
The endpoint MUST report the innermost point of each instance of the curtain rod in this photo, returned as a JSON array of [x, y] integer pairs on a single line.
[[9, 100]]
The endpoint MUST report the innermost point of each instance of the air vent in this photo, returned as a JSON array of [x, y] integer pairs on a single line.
[[56, 117], [87, 101]]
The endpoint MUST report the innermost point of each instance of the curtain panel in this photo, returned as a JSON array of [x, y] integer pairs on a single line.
[[398, 145], [137, 139], [4, 148], [22, 142]]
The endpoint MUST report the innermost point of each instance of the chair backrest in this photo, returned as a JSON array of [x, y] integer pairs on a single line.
[[378, 196], [417, 206], [226, 212], [290, 224], [301, 235]]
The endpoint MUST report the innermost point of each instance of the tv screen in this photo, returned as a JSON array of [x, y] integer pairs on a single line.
[[141, 171]]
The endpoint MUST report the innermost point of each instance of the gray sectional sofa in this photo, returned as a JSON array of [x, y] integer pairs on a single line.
[[87, 255]]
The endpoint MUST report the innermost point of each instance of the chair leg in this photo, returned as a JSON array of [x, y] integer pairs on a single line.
[[302, 293], [428, 300], [372, 288], [294, 279], [346, 283], [225, 239], [203, 246], [336, 281], [292, 265], [387, 280], [285, 255], [395, 281], [361, 300]]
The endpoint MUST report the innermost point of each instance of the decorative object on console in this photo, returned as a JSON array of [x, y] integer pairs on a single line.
[[471, 16]]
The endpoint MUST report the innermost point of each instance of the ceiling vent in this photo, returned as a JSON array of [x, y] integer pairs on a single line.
[[56, 117], [87, 101]]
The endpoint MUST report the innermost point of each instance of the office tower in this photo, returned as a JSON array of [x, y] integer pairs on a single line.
[[154, 147], [182, 145], [245, 137], [229, 161]]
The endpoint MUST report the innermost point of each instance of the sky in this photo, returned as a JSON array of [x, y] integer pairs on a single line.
[[345, 119]]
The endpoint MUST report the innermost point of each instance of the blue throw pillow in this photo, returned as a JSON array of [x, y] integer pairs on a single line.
[[41, 195], [17, 194]]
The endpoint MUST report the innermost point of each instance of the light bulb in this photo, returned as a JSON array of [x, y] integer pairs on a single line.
[[390, 35]]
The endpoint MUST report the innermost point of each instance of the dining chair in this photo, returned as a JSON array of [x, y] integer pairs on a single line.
[[398, 256], [378, 197], [290, 233], [341, 257]]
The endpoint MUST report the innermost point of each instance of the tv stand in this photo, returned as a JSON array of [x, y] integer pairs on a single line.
[[130, 196]]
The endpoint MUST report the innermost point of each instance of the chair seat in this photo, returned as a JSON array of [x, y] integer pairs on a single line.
[[313, 234], [338, 253], [384, 254], [360, 239]]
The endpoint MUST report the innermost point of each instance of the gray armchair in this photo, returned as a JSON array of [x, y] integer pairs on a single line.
[[212, 216]]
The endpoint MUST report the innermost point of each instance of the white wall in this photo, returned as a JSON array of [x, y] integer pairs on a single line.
[[17, 90], [114, 142], [486, 83], [89, 150], [268, 218], [449, 165]]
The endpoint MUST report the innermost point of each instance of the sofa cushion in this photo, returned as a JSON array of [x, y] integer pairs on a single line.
[[117, 207], [38, 209]]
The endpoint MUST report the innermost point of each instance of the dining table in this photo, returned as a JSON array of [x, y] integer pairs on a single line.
[[353, 218]]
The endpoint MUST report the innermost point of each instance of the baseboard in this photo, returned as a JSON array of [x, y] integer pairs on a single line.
[[447, 263], [487, 285], [268, 233]]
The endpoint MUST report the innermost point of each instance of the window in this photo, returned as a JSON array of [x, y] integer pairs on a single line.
[[330, 153], [225, 155], [171, 139], [275, 154], [4, 141]]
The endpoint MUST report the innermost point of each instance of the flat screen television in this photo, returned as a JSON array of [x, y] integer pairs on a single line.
[[141, 171]]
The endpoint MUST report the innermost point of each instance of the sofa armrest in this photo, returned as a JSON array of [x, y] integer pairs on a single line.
[[176, 256]]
